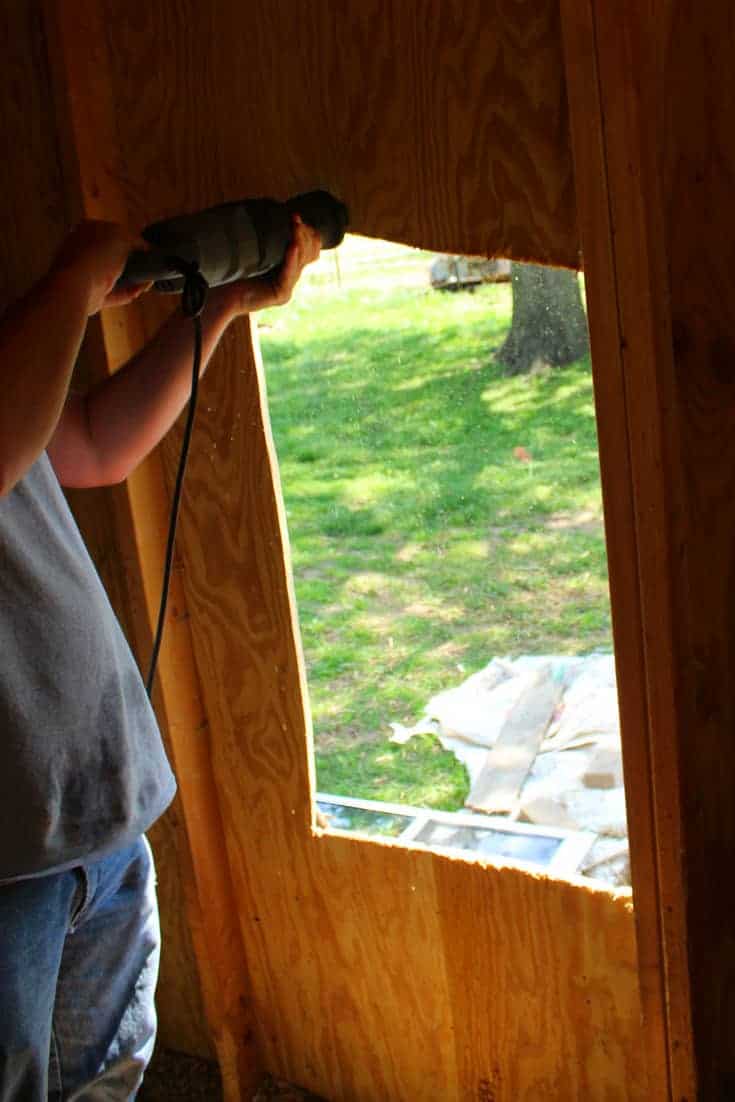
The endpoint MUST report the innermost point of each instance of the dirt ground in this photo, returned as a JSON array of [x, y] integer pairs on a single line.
[[175, 1077]]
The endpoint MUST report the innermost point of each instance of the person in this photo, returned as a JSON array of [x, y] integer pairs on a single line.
[[84, 772]]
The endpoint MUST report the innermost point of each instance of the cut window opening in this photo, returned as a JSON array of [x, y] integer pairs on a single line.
[[435, 429]]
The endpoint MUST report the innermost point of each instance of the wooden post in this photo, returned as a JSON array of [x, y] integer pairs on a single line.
[[77, 47], [652, 98]]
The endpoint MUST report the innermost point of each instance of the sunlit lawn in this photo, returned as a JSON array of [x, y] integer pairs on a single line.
[[422, 546]]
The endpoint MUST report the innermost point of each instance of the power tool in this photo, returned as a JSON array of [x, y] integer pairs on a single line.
[[231, 241]]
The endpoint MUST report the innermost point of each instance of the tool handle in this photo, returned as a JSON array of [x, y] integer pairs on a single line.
[[237, 240], [147, 266]]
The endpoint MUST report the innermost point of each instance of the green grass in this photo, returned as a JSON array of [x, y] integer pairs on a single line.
[[421, 546]]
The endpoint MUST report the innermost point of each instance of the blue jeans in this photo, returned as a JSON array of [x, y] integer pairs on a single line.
[[78, 967]]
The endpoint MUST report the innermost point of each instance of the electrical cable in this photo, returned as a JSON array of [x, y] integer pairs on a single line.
[[193, 297]]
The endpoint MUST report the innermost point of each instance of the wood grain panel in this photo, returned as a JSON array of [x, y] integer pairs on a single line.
[[616, 399], [694, 99], [35, 216], [634, 132], [539, 1011], [359, 952], [377, 973], [669, 167], [439, 122]]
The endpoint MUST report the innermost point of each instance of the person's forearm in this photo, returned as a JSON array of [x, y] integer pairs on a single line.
[[101, 437], [40, 338], [123, 418]]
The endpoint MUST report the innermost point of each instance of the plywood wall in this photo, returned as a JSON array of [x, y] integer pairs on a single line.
[[442, 122], [655, 193], [367, 971], [376, 973]]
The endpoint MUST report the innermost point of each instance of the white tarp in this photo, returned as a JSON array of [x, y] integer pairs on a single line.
[[576, 780]]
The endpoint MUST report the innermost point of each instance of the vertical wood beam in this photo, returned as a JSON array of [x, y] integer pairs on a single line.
[[615, 404], [78, 54], [652, 98]]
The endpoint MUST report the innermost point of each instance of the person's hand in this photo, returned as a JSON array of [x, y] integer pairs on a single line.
[[275, 288], [93, 257]]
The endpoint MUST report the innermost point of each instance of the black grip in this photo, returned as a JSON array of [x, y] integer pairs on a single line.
[[237, 240], [146, 266]]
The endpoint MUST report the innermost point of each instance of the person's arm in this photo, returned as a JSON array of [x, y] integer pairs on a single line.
[[103, 435], [40, 337]]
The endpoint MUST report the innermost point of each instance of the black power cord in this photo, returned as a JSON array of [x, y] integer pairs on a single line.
[[193, 297]]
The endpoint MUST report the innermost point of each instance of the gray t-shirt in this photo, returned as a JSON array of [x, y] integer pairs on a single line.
[[83, 770]]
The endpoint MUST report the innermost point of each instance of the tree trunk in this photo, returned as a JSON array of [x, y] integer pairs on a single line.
[[549, 323]]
